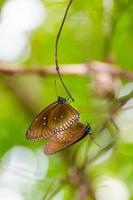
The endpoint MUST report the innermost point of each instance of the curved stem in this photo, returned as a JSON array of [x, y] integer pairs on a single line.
[[56, 49]]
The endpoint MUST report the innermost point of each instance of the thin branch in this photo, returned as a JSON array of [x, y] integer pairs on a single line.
[[102, 151], [56, 50], [114, 109], [80, 175], [71, 69]]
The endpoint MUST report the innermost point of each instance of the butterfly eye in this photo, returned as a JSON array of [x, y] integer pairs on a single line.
[[88, 129]]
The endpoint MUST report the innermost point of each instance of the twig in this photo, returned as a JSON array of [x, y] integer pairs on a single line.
[[70, 69], [56, 50], [103, 150], [115, 107], [78, 178]]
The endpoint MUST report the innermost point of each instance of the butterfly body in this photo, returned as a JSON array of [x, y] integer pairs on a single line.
[[58, 116]]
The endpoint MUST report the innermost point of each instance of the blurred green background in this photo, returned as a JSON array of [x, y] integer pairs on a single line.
[[99, 30]]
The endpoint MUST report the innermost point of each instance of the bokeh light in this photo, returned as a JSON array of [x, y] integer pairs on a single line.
[[18, 20]]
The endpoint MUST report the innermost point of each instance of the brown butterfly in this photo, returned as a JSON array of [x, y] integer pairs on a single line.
[[58, 116], [66, 138]]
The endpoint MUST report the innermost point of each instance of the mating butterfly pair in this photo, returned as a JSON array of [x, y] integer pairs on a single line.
[[59, 122]]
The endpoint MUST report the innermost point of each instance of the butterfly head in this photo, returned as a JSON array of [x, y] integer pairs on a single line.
[[88, 129], [61, 100]]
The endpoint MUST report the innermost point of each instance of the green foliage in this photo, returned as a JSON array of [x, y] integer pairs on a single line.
[[91, 33], [1, 3]]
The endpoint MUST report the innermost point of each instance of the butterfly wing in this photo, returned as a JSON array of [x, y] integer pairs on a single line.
[[62, 117], [56, 117], [64, 139], [39, 128]]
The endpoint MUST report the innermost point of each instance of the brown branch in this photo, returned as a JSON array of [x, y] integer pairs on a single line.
[[89, 68], [109, 68], [82, 182]]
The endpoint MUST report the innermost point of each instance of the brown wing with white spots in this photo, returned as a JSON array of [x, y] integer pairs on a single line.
[[64, 139], [39, 128], [62, 117]]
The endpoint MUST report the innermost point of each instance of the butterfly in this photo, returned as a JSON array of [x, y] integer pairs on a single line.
[[65, 138], [57, 117]]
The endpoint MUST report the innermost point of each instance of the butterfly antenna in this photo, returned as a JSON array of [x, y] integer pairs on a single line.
[[92, 137], [56, 50]]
